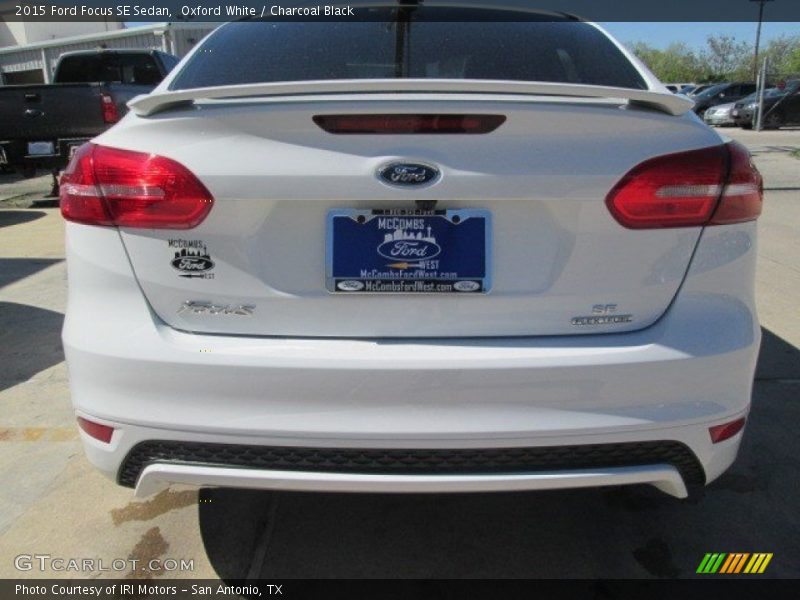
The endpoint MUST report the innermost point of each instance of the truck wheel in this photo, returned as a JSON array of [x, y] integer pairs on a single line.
[[747, 125], [28, 171], [55, 190]]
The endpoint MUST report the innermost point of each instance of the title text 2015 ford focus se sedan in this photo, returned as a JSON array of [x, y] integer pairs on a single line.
[[429, 250]]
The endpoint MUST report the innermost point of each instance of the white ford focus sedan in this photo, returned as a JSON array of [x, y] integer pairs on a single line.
[[428, 250]]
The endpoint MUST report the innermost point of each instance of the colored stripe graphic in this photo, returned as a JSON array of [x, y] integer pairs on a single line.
[[727, 564], [738, 562], [703, 564], [765, 563], [755, 562], [717, 563], [734, 563], [711, 563]]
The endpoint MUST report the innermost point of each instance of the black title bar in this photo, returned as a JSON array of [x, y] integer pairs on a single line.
[[219, 11]]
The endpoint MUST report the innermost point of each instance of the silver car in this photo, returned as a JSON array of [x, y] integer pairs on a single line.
[[719, 115]]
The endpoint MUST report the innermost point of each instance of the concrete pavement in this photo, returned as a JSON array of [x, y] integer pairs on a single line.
[[53, 502]]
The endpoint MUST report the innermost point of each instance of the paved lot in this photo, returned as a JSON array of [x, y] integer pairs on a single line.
[[52, 502]]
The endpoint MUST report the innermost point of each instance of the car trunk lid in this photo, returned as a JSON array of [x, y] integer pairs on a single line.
[[558, 258]]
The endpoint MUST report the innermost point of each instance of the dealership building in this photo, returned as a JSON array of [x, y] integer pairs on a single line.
[[29, 51]]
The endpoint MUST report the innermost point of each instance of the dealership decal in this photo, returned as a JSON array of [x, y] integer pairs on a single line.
[[409, 251], [191, 259], [402, 244]]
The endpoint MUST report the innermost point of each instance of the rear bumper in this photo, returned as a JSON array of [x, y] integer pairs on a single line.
[[718, 119], [135, 457], [670, 382], [158, 476], [16, 152]]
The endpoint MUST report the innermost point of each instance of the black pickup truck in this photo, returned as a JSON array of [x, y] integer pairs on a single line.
[[41, 125]]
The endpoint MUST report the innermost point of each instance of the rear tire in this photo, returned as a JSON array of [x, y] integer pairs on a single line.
[[28, 171], [746, 125], [772, 121]]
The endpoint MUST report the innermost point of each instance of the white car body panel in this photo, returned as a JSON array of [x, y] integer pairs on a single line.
[[691, 370], [504, 370], [551, 228]]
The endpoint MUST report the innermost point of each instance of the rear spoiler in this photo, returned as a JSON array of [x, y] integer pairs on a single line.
[[158, 101]]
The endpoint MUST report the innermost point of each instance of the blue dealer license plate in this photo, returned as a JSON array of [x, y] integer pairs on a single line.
[[409, 252]]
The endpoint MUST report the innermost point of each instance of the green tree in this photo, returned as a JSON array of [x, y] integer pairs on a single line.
[[726, 58], [723, 59], [673, 64], [793, 63], [783, 57]]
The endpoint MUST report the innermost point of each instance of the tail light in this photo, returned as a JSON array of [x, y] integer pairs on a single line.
[[98, 431], [108, 186], [712, 186], [743, 195], [398, 124], [720, 433], [109, 108]]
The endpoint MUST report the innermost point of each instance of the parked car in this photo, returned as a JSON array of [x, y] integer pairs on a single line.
[[677, 88], [736, 113], [42, 124], [698, 89], [722, 93], [719, 115], [781, 107], [434, 256]]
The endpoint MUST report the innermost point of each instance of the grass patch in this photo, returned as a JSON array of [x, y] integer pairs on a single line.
[[795, 153]]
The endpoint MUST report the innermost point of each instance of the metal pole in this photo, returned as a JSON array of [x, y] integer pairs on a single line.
[[762, 83], [758, 36], [46, 68]]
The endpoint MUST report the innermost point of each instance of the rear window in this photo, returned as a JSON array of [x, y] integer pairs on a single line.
[[137, 68], [426, 43]]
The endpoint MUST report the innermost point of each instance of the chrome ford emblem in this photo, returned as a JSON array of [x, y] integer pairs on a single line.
[[466, 286], [350, 285], [408, 174]]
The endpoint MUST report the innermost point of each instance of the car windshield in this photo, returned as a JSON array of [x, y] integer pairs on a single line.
[[423, 42], [792, 87], [712, 91], [768, 93]]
